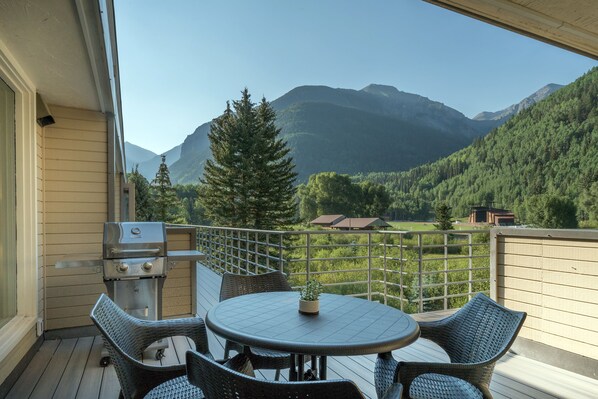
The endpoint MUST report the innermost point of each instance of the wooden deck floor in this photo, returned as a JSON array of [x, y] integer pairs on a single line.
[[69, 368]]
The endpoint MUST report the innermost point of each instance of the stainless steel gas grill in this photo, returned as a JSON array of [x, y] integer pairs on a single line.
[[135, 262], [135, 266]]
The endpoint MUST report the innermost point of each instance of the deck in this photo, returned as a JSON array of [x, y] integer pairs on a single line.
[[69, 368]]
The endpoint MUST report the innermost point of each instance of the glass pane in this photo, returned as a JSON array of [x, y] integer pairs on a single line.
[[8, 261]]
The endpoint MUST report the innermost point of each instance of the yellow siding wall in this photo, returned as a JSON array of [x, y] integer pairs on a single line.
[[75, 199], [178, 294], [555, 281]]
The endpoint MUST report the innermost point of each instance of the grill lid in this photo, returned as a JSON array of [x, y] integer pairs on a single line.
[[134, 240]]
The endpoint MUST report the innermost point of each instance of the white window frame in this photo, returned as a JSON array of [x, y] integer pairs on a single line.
[[26, 213]]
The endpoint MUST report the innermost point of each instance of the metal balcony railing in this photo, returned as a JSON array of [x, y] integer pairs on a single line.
[[415, 271]]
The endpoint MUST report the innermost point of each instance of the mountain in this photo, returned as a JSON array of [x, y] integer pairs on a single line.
[[378, 128], [147, 161], [195, 150], [549, 147], [514, 109], [136, 155]]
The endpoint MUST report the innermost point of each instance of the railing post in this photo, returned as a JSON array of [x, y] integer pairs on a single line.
[[210, 249], [226, 250], [280, 265], [369, 266], [246, 252], [307, 255], [470, 235], [401, 269], [384, 265], [268, 251], [445, 271], [420, 268], [256, 257]]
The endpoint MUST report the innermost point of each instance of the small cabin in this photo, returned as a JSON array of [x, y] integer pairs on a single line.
[[361, 224], [327, 220], [493, 216]]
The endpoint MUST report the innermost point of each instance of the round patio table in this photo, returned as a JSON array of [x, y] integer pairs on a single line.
[[345, 326]]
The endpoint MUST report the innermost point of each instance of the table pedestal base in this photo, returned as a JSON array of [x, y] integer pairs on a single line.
[[297, 371]]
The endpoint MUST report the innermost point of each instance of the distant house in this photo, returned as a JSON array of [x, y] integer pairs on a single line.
[[327, 220], [361, 224], [494, 216]]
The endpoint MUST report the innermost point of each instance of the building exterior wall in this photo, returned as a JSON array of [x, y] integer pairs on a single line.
[[552, 275], [75, 186], [178, 297]]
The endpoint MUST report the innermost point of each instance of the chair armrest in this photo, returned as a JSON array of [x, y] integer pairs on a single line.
[[436, 331], [394, 392], [384, 373], [472, 373], [192, 327]]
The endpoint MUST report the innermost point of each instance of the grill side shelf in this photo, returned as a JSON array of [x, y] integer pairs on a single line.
[[188, 255]]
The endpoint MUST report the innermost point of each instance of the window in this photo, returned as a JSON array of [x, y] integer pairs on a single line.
[[8, 261]]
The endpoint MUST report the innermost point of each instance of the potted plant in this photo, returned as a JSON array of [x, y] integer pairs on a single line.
[[309, 302]]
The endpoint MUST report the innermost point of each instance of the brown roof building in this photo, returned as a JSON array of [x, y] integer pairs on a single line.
[[327, 220], [494, 216], [361, 224]]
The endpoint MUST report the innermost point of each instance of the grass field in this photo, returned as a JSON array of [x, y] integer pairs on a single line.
[[426, 226]]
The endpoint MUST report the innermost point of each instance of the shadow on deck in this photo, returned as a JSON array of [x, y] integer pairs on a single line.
[[69, 368]]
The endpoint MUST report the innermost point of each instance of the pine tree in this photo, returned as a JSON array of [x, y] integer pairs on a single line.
[[249, 182], [167, 207], [143, 198], [443, 217]]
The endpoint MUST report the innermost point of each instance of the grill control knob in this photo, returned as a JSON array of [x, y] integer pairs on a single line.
[[147, 266], [122, 267]]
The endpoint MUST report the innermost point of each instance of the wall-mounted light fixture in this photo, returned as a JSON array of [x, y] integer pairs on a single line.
[[43, 115]]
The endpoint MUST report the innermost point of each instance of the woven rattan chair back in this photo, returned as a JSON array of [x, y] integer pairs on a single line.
[[219, 382], [234, 285], [126, 337], [481, 331], [118, 333]]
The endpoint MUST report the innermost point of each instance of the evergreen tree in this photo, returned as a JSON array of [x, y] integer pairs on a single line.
[[143, 198], [444, 219], [167, 207], [249, 181]]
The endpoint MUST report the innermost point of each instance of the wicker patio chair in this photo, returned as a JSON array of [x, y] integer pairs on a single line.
[[126, 337], [474, 337], [219, 382], [234, 285]]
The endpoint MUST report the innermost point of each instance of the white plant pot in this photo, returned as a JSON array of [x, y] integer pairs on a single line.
[[309, 307]]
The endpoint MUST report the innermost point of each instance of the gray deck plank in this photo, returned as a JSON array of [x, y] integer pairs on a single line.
[[89, 387], [27, 381], [110, 388], [49, 380], [71, 378]]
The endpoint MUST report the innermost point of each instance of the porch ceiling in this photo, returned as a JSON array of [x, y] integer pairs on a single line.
[[570, 24], [46, 38]]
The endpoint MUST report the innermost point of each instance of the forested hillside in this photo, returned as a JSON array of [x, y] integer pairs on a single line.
[[551, 147]]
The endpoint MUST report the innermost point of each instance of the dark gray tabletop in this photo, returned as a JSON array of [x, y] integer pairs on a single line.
[[345, 326]]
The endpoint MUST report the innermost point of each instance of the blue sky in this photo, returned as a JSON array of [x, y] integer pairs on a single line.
[[180, 61]]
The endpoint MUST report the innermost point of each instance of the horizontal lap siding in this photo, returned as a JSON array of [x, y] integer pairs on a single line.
[[177, 297], [556, 282], [76, 207]]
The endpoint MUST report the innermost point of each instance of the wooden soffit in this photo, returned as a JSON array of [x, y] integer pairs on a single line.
[[570, 24]]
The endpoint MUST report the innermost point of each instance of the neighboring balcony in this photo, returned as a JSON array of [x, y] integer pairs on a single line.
[[551, 274]]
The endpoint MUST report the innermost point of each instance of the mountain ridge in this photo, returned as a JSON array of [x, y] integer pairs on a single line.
[[338, 140], [550, 147]]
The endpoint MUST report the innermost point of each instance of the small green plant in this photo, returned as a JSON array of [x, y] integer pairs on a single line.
[[311, 291]]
